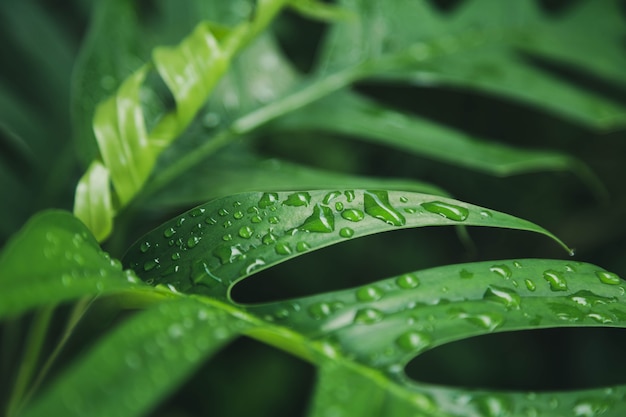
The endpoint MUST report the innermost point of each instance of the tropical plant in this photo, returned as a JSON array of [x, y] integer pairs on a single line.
[[306, 126]]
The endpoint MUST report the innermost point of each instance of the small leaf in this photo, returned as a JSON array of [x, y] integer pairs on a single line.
[[92, 203], [136, 365], [212, 246], [52, 259]]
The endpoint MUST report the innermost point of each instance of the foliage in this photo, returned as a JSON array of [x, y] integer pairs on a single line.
[[308, 154]]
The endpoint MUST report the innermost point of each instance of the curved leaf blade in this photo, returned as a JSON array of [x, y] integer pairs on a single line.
[[54, 258], [93, 204], [209, 248], [140, 361], [416, 312]]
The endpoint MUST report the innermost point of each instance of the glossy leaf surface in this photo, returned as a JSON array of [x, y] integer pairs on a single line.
[[54, 259], [212, 246]]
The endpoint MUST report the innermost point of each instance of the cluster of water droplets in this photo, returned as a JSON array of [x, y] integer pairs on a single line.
[[247, 228]]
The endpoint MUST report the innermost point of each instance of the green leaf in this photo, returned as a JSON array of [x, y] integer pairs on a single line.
[[351, 114], [122, 138], [238, 172], [92, 203], [209, 248], [131, 370], [52, 259], [476, 48], [415, 312]]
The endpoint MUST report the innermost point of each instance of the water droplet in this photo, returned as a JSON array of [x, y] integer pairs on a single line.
[[144, 247], [267, 200], [238, 215], [269, 238], [302, 247], [353, 215], [449, 211], [227, 237], [349, 195], [556, 280], [488, 321], [492, 406], [227, 224], [591, 407], [236, 203], [338, 206], [175, 256], [150, 264], [601, 318], [256, 219], [505, 296], [254, 265], [589, 299], [283, 248], [530, 285], [502, 270], [331, 196], [377, 205], [322, 220], [246, 232], [169, 232], [320, 310], [369, 293], [566, 312], [465, 274], [346, 232], [608, 277], [298, 199], [193, 241], [222, 212], [227, 253], [485, 214], [414, 341], [407, 281], [197, 212], [273, 220], [211, 221], [368, 316]]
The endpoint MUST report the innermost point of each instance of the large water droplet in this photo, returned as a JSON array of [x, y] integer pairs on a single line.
[[346, 232], [608, 277], [488, 321], [322, 220], [320, 310], [238, 215], [302, 247], [377, 205], [246, 232], [193, 241], [369, 293], [227, 253], [298, 199], [144, 247], [331, 196], [349, 195], [505, 296], [502, 270], [169, 232], [449, 211], [368, 316], [267, 200], [414, 341], [530, 285], [283, 248], [269, 238], [407, 281], [556, 280], [354, 215], [197, 212]]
